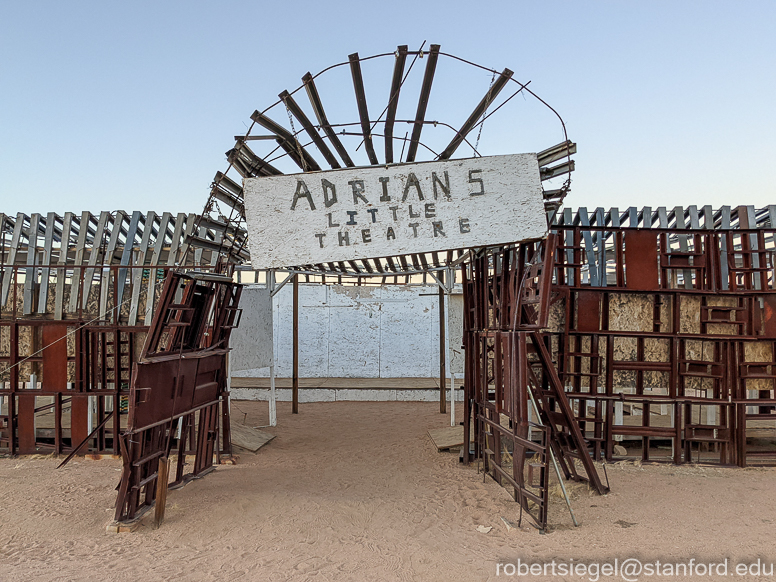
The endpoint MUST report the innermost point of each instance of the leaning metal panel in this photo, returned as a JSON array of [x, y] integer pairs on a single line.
[[179, 384]]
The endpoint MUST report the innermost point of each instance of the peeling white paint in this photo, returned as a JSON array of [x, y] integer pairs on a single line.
[[348, 332], [375, 211]]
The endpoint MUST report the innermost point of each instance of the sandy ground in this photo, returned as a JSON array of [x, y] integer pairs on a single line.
[[356, 491]]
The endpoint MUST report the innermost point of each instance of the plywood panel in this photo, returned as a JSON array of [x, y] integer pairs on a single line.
[[251, 342]]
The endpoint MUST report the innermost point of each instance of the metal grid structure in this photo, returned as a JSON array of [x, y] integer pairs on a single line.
[[665, 330], [651, 329], [515, 406], [77, 294], [93, 275]]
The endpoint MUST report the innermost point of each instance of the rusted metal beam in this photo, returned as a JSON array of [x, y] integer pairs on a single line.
[[297, 112], [425, 92], [248, 164], [469, 124], [288, 142], [393, 100], [363, 110], [320, 114]]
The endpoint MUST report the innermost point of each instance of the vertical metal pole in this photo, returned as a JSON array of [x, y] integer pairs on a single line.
[[452, 400], [295, 386], [273, 414], [442, 352], [162, 477]]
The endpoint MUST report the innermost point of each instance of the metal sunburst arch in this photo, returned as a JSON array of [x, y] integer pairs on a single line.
[[316, 144]]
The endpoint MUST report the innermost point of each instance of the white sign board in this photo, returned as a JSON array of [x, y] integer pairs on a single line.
[[378, 211], [251, 341]]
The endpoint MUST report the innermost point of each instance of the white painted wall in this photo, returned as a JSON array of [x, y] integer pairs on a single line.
[[362, 332]]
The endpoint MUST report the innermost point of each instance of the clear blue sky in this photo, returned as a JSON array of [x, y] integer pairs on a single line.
[[108, 105]]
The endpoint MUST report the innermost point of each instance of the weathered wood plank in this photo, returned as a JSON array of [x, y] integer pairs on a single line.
[[156, 260], [107, 261]]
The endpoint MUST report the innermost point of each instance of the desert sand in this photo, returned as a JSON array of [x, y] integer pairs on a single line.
[[356, 491]]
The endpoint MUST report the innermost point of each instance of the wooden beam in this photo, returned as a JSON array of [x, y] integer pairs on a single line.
[[288, 142], [297, 112]]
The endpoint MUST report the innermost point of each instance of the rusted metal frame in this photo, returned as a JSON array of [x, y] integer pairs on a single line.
[[296, 111], [363, 111], [393, 101], [157, 328], [519, 445], [559, 397], [154, 439], [320, 114], [478, 112], [425, 92]]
